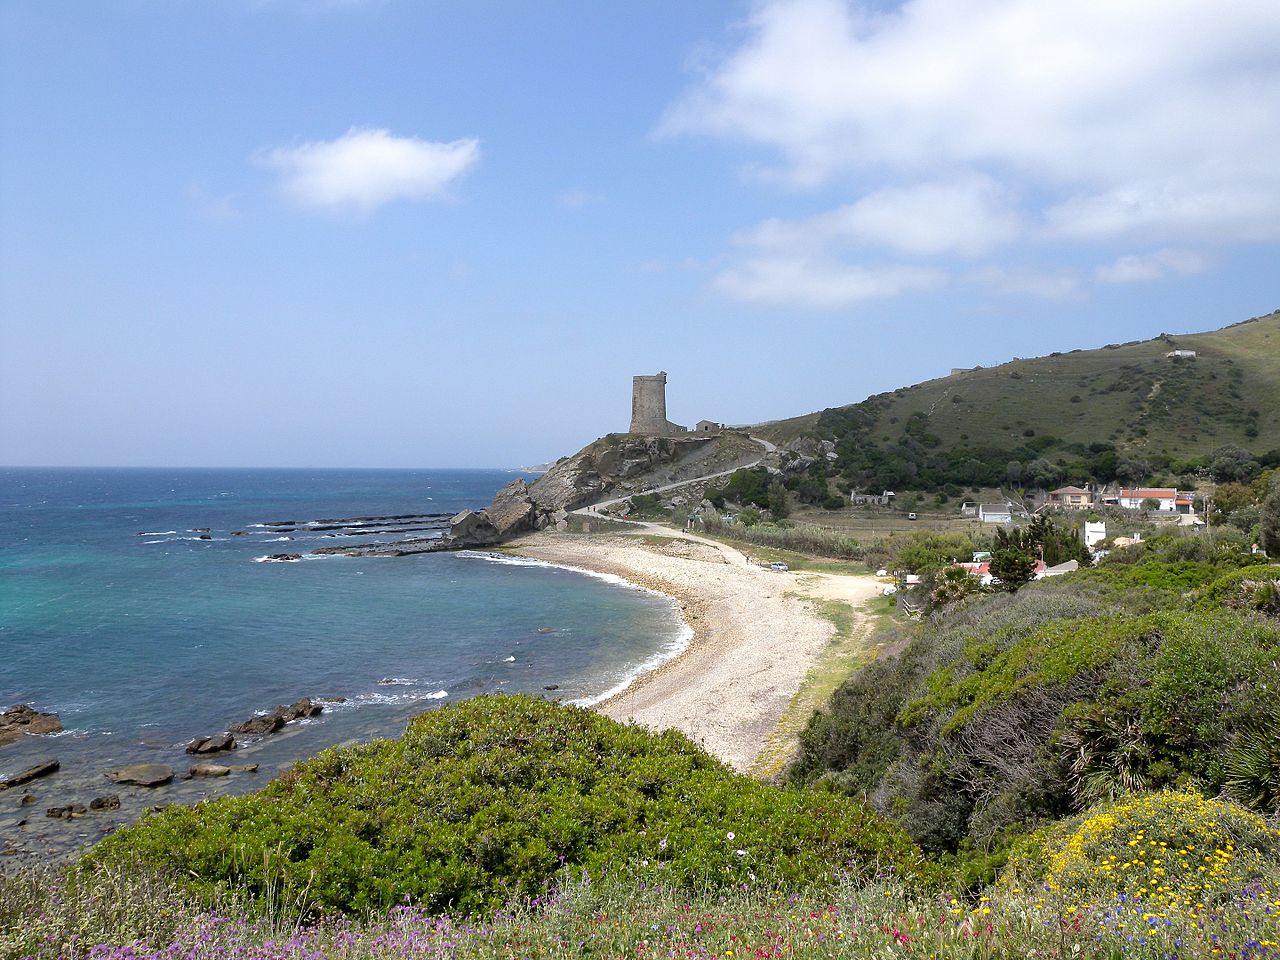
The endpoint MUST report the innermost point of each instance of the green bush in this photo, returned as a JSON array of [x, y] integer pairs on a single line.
[[488, 800]]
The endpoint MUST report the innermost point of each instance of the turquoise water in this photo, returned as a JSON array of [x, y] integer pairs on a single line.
[[141, 636]]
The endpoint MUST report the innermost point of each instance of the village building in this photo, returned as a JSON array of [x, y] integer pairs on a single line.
[[995, 513], [1168, 499], [708, 426], [1182, 354], [1070, 498]]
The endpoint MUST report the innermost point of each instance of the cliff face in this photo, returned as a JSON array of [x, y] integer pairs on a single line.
[[614, 466]]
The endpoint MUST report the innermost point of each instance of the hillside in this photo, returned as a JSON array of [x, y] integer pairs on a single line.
[[1121, 402]]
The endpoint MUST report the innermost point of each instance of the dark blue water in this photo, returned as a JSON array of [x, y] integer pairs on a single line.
[[142, 642]]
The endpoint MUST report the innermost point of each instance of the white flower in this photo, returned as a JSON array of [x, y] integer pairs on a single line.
[[741, 853], [729, 834]]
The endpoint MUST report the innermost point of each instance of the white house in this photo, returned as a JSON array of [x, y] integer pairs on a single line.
[[1133, 499], [1188, 354], [1095, 531], [995, 513]]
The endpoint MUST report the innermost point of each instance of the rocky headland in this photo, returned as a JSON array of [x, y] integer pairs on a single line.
[[617, 465]]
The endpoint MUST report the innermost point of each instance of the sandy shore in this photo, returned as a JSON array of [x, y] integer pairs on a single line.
[[755, 635]]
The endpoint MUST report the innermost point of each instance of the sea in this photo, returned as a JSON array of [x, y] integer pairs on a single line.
[[140, 606]]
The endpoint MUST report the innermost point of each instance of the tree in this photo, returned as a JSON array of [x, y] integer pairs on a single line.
[[1133, 471], [1229, 463], [778, 499], [1013, 567], [1270, 520]]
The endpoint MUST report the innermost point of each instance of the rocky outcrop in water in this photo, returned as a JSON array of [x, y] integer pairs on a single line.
[[42, 769], [215, 744], [142, 774], [23, 719], [273, 720]]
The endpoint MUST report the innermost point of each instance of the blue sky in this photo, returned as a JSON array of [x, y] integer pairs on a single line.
[[394, 233]]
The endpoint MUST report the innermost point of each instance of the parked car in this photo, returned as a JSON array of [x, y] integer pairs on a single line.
[[912, 516], [779, 566]]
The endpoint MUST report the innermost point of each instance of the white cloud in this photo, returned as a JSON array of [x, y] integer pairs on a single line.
[[1137, 268], [821, 284], [364, 169], [1146, 118], [968, 216]]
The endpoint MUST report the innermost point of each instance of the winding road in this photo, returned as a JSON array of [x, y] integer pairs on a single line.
[[731, 556]]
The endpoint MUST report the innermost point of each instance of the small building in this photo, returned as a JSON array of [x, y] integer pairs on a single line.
[[1070, 498], [1166, 498], [995, 513], [870, 499], [708, 426], [1181, 354], [1094, 533], [1071, 566]]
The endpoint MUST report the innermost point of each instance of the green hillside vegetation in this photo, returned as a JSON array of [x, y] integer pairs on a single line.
[[1125, 411], [1158, 669]]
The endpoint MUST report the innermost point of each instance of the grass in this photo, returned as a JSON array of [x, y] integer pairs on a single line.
[[624, 918], [1129, 394], [851, 647]]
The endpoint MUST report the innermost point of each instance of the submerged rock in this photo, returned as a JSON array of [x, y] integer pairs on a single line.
[[41, 769], [142, 774], [109, 802], [67, 812], [208, 770]]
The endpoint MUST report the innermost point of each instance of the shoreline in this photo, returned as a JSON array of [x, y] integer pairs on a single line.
[[756, 635]]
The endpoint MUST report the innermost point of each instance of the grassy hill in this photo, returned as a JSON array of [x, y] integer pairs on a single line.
[[1130, 397]]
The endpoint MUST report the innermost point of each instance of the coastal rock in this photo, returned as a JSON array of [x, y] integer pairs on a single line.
[[281, 557], [142, 774], [274, 719], [208, 770], [27, 800], [215, 744], [23, 719], [109, 802], [42, 769], [243, 768], [68, 812], [260, 726], [471, 529], [513, 510]]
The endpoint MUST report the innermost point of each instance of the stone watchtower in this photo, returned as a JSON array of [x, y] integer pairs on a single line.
[[649, 407]]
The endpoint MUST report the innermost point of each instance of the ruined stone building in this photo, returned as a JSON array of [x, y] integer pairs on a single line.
[[649, 407]]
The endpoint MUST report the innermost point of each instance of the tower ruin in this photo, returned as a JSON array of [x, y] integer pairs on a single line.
[[649, 407]]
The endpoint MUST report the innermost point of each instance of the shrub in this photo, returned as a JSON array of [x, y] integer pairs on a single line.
[[487, 800], [1172, 852]]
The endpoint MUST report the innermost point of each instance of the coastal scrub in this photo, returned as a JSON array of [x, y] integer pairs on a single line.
[[489, 800]]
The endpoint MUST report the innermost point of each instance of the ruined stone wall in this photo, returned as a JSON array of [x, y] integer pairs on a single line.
[[649, 405]]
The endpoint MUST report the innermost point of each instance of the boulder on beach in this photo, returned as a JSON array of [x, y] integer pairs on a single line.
[[215, 744], [24, 719], [41, 769], [142, 774]]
